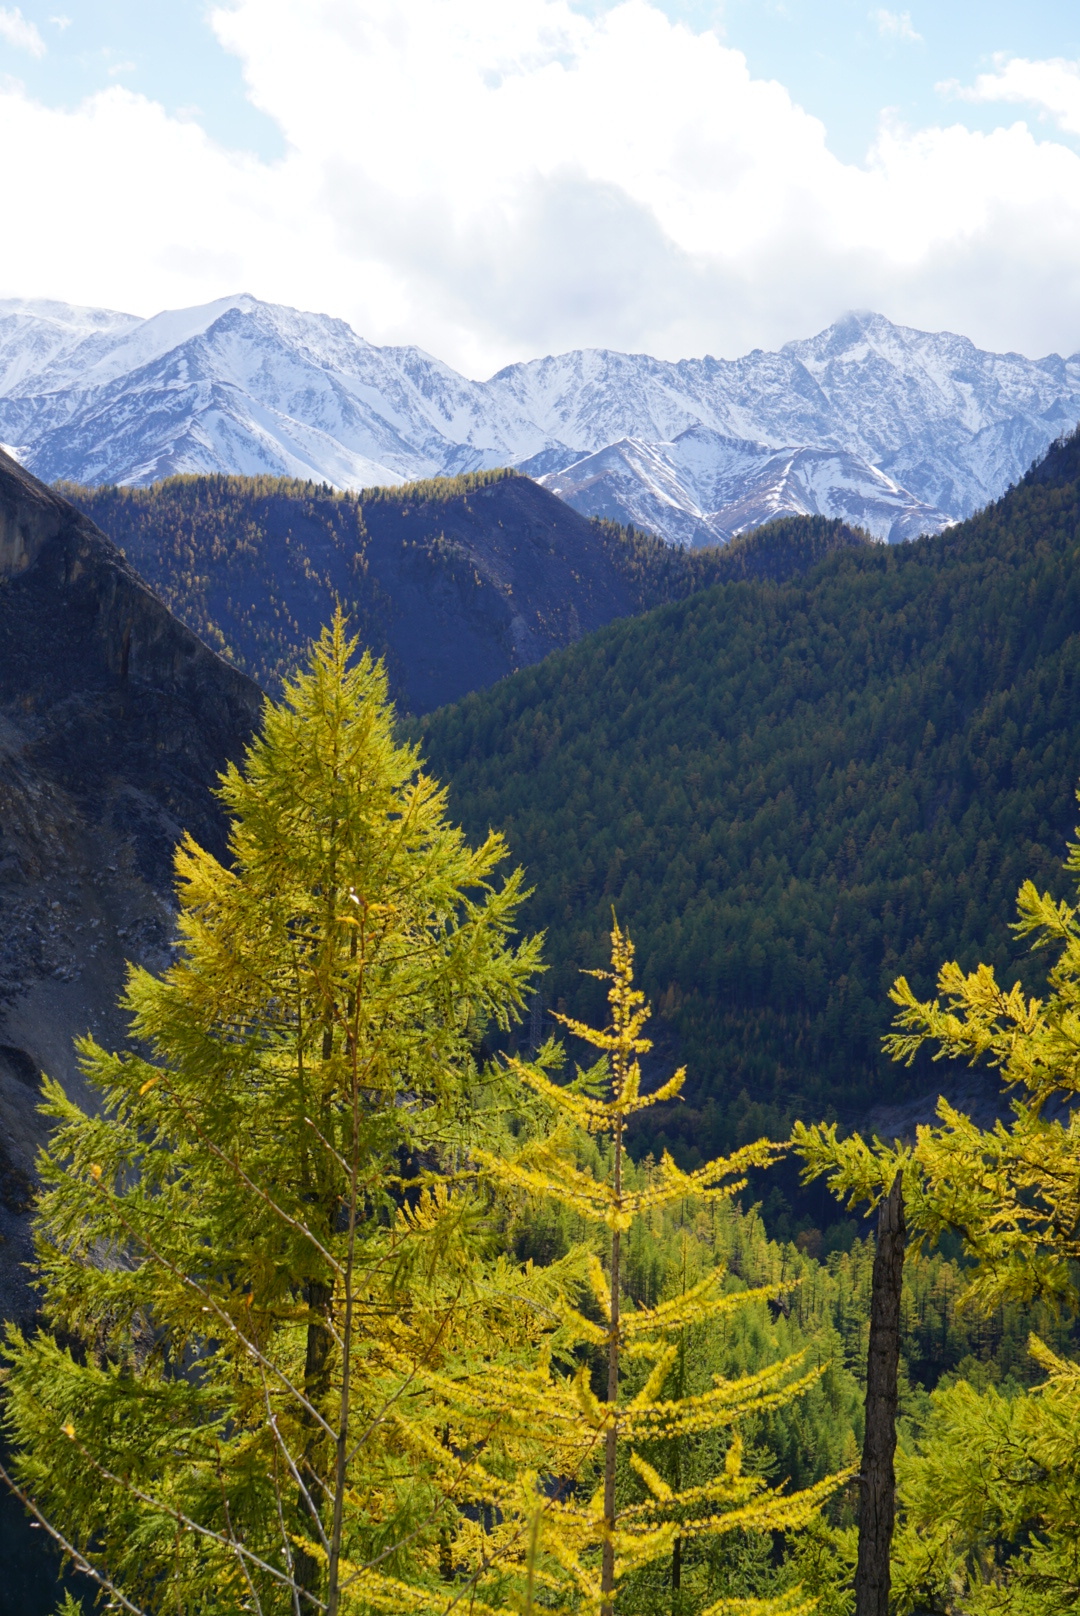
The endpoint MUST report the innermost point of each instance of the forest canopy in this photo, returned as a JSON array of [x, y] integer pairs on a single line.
[[459, 1341], [299, 1350], [455, 581], [793, 792]]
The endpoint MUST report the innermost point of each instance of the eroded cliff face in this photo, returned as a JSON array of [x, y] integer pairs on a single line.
[[30, 515], [115, 721]]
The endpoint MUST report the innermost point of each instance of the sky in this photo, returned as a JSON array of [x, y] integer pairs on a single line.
[[498, 179]]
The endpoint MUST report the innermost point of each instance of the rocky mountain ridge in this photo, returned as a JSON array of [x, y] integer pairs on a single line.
[[115, 721], [897, 429], [704, 488]]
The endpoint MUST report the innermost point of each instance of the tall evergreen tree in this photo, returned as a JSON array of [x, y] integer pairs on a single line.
[[250, 1250], [593, 1545]]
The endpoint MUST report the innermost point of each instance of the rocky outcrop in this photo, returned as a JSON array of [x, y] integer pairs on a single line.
[[115, 721]]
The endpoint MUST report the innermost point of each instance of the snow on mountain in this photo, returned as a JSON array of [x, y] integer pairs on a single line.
[[250, 387], [35, 333], [948, 422], [704, 488], [899, 429]]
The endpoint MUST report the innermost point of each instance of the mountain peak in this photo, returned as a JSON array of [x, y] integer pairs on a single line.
[[930, 424]]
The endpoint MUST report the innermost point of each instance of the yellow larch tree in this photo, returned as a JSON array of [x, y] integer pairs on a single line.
[[565, 1535]]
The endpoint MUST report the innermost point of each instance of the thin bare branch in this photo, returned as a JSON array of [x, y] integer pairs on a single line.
[[80, 1562]]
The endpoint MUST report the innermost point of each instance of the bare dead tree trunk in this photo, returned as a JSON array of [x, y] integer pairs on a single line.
[[877, 1503]]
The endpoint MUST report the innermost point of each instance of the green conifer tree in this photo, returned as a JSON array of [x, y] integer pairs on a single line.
[[584, 1545], [247, 1255], [992, 1501]]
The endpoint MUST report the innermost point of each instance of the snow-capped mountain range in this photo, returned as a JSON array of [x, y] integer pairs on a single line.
[[703, 488], [898, 430]]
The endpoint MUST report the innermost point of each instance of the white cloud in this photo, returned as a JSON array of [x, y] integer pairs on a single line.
[[60, 22], [499, 178], [895, 25], [21, 33], [1053, 86]]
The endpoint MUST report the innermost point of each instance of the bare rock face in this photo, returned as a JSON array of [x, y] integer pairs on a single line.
[[115, 721]]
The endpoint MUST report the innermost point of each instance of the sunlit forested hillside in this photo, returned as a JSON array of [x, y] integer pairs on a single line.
[[791, 792]]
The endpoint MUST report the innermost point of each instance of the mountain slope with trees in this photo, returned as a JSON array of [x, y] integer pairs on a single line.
[[455, 582], [793, 792]]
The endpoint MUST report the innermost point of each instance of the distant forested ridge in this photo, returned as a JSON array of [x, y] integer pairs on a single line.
[[793, 791], [455, 581]]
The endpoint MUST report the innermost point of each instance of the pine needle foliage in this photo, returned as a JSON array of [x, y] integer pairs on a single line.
[[992, 1498], [256, 1249], [588, 1542]]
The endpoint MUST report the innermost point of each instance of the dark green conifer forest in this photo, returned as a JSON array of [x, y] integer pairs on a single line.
[[793, 791], [814, 762]]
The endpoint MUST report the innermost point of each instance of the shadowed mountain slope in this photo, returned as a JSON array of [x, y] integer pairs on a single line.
[[115, 721], [456, 582]]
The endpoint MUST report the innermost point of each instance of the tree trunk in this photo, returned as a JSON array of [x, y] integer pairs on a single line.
[[877, 1502], [307, 1570], [607, 1563]]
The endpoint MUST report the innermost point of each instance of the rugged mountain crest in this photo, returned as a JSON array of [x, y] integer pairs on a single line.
[[704, 488], [896, 429]]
